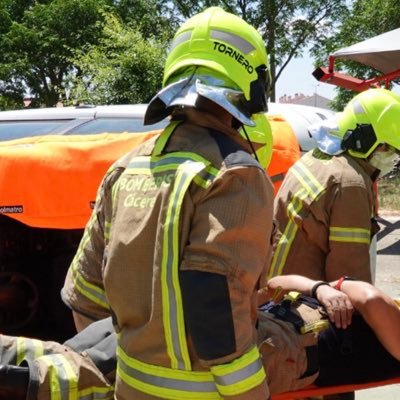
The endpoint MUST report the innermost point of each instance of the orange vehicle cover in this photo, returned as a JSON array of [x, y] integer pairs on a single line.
[[51, 181], [285, 149]]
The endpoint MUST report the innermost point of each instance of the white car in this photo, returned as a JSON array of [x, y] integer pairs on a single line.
[[86, 120]]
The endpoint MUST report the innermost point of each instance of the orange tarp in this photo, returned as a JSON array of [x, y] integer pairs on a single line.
[[51, 181]]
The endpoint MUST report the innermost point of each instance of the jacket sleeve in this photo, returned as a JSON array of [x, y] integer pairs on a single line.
[[350, 234], [83, 289], [84, 367], [225, 259]]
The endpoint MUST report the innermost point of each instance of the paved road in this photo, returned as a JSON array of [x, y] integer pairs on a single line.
[[388, 279]]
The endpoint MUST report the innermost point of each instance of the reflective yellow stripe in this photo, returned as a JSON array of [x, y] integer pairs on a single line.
[[164, 382], [87, 289], [185, 168], [28, 349], [288, 235], [174, 323], [107, 228], [62, 378], [349, 235], [96, 393], [311, 189], [240, 375], [307, 180]]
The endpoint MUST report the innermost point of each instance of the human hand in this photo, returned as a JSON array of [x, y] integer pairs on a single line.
[[337, 305]]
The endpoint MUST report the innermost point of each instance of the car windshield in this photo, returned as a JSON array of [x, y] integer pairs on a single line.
[[18, 129], [112, 125]]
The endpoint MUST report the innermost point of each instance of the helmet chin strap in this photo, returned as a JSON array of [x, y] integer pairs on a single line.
[[250, 143]]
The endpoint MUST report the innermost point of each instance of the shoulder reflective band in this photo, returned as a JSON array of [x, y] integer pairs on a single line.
[[28, 349], [349, 235]]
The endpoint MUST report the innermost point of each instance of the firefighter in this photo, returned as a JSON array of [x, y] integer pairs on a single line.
[[179, 240], [326, 205]]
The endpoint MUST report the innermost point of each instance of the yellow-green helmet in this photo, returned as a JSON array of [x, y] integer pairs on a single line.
[[261, 136], [224, 43], [370, 119]]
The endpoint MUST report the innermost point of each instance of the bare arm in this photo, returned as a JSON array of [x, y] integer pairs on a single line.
[[379, 311], [336, 303]]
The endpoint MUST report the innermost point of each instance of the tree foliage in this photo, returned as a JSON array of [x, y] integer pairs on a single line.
[[37, 45], [124, 67]]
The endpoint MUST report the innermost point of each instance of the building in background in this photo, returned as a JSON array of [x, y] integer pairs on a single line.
[[315, 100]]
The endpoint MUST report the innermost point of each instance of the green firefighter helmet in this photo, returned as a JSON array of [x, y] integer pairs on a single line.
[[226, 44], [260, 136], [371, 118]]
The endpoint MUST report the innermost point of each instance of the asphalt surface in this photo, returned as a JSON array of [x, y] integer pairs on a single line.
[[387, 278]]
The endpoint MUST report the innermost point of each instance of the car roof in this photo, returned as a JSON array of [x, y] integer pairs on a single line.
[[83, 111]]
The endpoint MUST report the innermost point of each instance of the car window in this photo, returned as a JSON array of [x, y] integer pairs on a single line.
[[18, 129], [113, 125]]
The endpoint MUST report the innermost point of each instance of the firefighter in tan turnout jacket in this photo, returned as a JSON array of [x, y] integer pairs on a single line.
[[326, 205], [179, 241]]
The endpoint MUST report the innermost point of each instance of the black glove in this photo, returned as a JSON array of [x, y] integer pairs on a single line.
[[13, 382]]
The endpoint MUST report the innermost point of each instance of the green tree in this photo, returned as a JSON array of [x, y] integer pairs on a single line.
[[366, 19], [125, 67], [37, 41]]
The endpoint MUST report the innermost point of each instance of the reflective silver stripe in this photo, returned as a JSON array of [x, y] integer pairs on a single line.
[[96, 393], [183, 37], [28, 349], [62, 379], [357, 107], [243, 45], [175, 320], [187, 167], [237, 376], [164, 382], [288, 235], [307, 180], [88, 290], [350, 235]]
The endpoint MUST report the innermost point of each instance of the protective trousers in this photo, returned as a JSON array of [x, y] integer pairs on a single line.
[[81, 368]]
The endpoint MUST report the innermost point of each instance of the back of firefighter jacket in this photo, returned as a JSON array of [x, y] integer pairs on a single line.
[[325, 210], [185, 226]]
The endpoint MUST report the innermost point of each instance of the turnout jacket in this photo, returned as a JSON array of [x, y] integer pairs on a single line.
[[178, 243], [325, 210]]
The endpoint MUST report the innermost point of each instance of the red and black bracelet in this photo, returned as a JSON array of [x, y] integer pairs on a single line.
[[342, 279]]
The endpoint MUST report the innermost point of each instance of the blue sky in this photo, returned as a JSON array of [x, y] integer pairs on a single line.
[[297, 78]]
